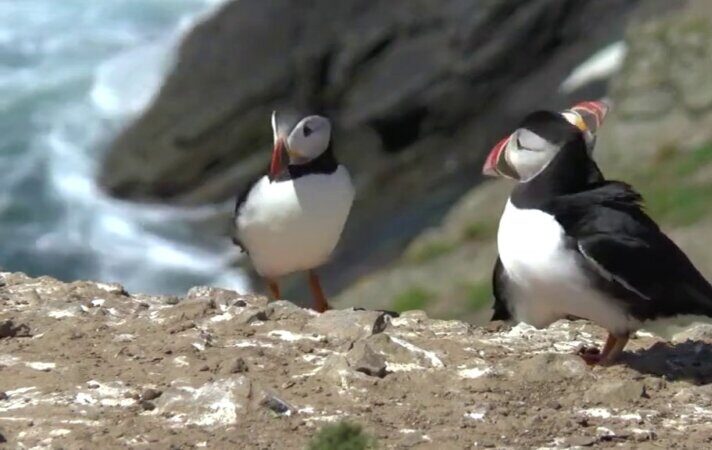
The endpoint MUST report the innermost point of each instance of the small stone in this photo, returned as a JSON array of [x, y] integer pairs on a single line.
[[172, 300], [147, 406], [276, 404], [150, 394], [3, 395], [204, 368], [8, 329], [238, 366], [554, 404]]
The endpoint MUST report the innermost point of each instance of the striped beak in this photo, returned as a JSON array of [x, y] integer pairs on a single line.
[[588, 116], [275, 165], [496, 164], [279, 132]]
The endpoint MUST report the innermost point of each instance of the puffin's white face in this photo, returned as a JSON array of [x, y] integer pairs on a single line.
[[309, 139], [303, 142], [528, 153]]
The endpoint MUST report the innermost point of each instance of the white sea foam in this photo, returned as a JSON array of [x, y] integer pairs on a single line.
[[62, 96]]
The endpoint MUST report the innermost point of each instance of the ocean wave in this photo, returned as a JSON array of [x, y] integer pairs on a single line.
[[72, 92]]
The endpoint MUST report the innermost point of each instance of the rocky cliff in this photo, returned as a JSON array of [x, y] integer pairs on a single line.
[[87, 365], [418, 91]]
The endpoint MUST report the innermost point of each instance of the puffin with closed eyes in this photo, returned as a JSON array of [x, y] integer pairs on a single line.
[[573, 244], [291, 219]]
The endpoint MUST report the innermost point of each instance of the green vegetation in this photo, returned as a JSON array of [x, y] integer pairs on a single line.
[[413, 298], [479, 295], [342, 436], [672, 193], [477, 231], [430, 251]]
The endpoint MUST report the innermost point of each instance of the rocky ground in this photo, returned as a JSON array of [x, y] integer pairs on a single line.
[[86, 365]]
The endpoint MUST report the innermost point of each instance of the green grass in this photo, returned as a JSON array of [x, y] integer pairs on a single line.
[[479, 295], [431, 250], [413, 298], [670, 191], [342, 436], [477, 231]]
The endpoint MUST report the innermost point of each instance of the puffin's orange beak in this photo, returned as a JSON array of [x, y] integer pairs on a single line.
[[492, 164], [275, 166]]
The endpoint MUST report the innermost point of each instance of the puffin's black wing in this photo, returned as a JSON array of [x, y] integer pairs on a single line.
[[499, 283], [241, 198], [628, 255]]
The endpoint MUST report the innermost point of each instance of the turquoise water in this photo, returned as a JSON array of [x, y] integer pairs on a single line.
[[72, 73]]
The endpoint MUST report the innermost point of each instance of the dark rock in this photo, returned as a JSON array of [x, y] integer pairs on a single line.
[[3, 395], [237, 366], [272, 402], [150, 394], [8, 329], [172, 300], [147, 406]]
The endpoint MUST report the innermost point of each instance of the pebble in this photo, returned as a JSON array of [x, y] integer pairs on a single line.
[[151, 394], [148, 406]]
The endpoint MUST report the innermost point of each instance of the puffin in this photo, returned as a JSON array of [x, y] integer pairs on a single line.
[[574, 245], [290, 219]]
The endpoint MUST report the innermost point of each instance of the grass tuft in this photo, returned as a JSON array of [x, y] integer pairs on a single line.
[[479, 295], [431, 250], [671, 192], [342, 436], [413, 298], [477, 231]]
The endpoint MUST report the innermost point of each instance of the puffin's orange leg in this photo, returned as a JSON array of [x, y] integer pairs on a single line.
[[611, 350], [273, 288], [608, 358], [320, 303]]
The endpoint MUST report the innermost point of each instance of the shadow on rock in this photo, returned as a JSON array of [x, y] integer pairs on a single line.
[[689, 360]]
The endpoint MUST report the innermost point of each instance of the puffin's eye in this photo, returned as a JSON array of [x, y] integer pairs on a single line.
[[307, 131]]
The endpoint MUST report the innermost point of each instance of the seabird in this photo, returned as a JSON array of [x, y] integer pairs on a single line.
[[573, 244], [291, 219]]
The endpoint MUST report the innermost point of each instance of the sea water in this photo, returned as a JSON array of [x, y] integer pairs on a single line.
[[72, 74]]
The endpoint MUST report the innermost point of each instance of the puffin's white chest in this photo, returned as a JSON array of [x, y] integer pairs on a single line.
[[294, 225], [548, 281]]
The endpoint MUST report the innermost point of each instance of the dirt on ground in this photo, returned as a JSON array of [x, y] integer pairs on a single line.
[[87, 365]]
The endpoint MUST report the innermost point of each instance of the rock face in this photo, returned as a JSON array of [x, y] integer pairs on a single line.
[[418, 90], [96, 367], [663, 94]]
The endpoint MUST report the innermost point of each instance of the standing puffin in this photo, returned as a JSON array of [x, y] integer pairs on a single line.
[[291, 219], [572, 243]]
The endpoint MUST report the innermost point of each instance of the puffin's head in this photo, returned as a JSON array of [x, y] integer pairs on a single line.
[[539, 138], [302, 139]]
